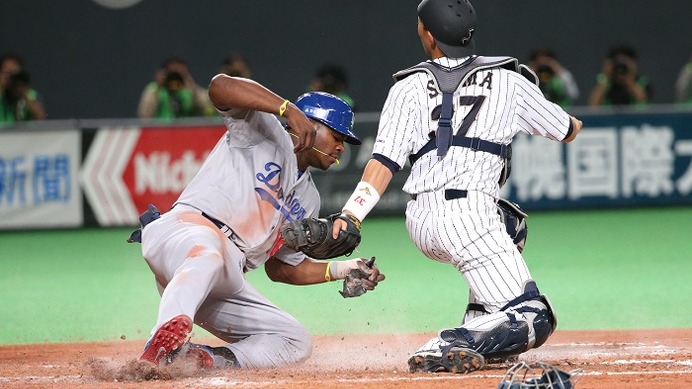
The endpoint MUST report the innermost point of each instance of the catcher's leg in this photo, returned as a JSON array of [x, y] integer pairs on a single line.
[[524, 323], [473, 309]]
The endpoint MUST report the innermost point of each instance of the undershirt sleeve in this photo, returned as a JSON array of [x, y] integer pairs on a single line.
[[388, 163]]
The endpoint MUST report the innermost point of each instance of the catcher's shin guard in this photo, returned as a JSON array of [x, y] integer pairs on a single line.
[[524, 323], [473, 311]]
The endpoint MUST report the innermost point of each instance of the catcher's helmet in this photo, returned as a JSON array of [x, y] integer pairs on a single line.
[[330, 110], [452, 24]]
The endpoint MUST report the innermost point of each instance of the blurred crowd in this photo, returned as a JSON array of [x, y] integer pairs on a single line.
[[173, 92]]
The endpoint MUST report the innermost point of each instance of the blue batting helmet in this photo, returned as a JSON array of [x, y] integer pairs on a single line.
[[331, 111]]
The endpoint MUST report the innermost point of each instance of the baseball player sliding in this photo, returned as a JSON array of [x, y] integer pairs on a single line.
[[453, 117], [226, 222]]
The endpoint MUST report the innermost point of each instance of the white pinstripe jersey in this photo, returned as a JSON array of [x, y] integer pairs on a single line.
[[512, 104], [250, 182]]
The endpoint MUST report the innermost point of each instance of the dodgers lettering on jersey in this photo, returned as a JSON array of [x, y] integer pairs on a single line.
[[493, 104], [249, 182], [271, 192]]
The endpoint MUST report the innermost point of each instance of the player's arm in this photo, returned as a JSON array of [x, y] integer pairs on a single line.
[[373, 183], [34, 105], [575, 126], [545, 117], [310, 271], [228, 92], [378, 175]]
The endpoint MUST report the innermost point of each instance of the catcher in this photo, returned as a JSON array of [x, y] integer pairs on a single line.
[[226, 222]]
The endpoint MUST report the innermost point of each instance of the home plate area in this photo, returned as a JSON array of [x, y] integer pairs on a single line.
[[608, 359]]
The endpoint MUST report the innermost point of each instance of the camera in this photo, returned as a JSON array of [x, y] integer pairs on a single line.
[[173, 81], [19, 78], [545, 69], [18, 82], [620, 67]]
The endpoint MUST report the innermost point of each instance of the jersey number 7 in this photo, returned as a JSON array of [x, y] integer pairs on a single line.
[[475, 102]]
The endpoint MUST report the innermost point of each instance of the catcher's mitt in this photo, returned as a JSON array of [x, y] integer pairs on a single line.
[[313, 236]]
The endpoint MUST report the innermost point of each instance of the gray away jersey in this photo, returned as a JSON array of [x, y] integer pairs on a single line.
[[250, 182]]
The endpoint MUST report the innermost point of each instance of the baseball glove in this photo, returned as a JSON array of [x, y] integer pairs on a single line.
[[313, 236]]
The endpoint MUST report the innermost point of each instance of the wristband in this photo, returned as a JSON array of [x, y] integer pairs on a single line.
[[327, 274], [362, 201], [283, 107]]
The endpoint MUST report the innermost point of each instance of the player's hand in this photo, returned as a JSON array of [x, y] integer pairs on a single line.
[[339, 225], [364, 277], [303, 128], [160, 77]]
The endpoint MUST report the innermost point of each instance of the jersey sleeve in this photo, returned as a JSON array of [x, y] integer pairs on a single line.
[[537, 115], [247, 128], [399, 119]]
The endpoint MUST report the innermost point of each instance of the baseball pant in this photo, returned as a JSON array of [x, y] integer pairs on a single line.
[[199, 273]]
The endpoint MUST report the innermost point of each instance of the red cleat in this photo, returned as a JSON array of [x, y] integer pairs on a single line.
[[168, 338]]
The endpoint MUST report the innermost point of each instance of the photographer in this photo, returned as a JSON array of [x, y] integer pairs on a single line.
[[620, 83], [556, 82], [18, 100], [173, 94]]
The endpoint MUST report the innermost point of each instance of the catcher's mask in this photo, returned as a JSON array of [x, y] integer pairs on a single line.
[[539, 375], [452, 24], [330, 110]]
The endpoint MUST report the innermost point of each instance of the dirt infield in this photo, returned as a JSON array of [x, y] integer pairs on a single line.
[[609, 359]]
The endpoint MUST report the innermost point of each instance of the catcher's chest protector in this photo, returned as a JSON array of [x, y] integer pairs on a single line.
[[447, 81]]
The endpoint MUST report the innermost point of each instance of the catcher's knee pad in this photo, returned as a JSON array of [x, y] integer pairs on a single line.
[[524, 323]]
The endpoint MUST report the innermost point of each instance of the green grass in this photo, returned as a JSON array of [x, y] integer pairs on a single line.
[[614, 269]]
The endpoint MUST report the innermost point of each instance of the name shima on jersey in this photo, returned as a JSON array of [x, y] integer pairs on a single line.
[[271, 192], [486, 82]]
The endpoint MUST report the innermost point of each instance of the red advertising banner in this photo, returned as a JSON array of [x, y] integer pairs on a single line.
[[128, 168], [165, 160]]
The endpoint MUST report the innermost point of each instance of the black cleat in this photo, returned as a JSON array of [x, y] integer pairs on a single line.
[[458, 360]]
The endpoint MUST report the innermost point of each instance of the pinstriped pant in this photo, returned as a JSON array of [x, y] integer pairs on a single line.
[[469, 234]]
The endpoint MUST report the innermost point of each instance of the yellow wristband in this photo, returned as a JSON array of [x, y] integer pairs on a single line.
[[327, 274], [283, 107]]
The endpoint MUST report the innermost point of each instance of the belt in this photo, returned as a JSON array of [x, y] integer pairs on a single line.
[[218, 223], [226, 230], [450, 194]]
